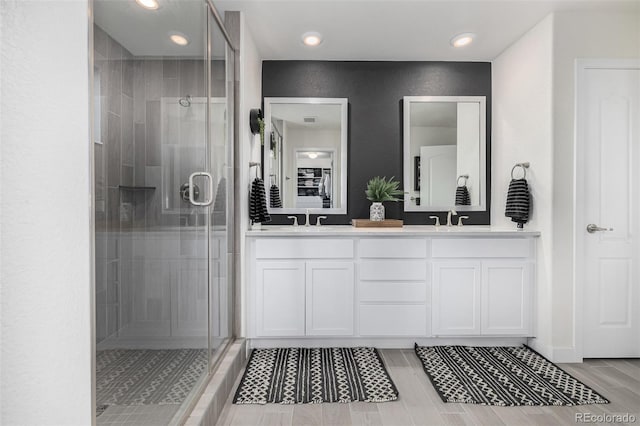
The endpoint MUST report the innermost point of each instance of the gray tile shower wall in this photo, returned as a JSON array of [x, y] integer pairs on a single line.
[[129, 152], [113, 166]]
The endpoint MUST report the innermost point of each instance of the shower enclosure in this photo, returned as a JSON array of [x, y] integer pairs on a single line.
[[163, 137]]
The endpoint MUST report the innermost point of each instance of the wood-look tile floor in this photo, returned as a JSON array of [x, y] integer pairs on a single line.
[[419, 404]]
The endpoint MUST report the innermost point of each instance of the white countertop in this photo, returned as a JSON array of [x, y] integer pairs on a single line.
[[406, 231]]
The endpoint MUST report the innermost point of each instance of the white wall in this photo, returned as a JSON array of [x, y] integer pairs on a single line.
[[45, 210], [534, 108], [431, 135], [467, 151], [522, 131], [576, 35], [250, 97]]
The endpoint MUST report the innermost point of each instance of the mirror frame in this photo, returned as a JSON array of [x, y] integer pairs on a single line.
[[406, 151], [343, 103]]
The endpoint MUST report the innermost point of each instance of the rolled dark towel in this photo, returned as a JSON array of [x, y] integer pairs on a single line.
[[274, 197], [462, 196], [518, 203], [258, 212]]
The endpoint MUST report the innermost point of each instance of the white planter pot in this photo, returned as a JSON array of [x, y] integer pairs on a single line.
[[376, 212]]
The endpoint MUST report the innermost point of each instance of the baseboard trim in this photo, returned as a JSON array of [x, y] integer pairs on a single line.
[[384, 343], [567, 354], [542, 348]]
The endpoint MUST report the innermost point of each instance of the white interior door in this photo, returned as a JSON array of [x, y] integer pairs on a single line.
[[609, 125], [438, 175]]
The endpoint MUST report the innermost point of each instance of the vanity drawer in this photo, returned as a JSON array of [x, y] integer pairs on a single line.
[[404, 248], [393, 320], [391, 270], [304, 248], [481, 247], [389, 291]]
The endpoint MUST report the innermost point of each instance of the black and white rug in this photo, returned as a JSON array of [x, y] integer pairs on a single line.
[[505, 376], [315, 375], [141, 377]]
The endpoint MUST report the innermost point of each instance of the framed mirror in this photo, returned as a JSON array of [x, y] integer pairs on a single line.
[[305, 155], [444, 153]]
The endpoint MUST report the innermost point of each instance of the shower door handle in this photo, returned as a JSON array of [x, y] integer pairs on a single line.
[[209, 197]]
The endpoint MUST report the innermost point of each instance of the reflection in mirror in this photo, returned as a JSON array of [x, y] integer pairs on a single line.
[[306, 157], [444, 153]]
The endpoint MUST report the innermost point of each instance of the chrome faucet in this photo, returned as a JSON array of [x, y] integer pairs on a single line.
[[460, 220], [306, 215], [295, 220], [437, 218], [449, 214], [318, 220]]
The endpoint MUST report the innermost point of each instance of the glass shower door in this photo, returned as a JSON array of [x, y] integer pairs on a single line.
[[221, 65], [156, 189], [189, 193]]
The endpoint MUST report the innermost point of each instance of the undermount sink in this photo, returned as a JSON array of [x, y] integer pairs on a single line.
[[465, 228], [299, 228], [291, 228]]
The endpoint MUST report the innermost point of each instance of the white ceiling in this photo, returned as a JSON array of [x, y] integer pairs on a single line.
[[353, 29], [146, 32], [327, 116], [409, 30]]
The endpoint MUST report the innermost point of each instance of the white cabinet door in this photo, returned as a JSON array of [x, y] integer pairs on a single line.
[[456, 298], [330, 288], [393, 320], [506, 298], [280, 290]]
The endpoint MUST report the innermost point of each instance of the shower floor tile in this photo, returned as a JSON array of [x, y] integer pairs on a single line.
[[145, 387], [147, 377]]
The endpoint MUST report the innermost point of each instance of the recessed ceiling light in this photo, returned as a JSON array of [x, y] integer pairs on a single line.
[[312, 39], [462, 39], [313, 155], [148, 4], [178, 38]]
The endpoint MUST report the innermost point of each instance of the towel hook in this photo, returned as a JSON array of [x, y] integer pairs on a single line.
[[465, 177], [257, 165], [524, 167]]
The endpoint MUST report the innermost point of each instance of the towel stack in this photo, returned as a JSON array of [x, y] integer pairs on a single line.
[[258, 212], [462, 196], [274, 197], [518, 202]]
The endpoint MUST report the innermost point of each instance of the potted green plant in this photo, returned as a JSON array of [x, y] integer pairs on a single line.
[[379, 190]]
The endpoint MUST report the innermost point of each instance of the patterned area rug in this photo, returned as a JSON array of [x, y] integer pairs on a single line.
[[301, 376], [505, 376], [141, 377]]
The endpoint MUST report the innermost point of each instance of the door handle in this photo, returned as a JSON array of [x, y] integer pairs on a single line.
[[591, 228], [192, 193]]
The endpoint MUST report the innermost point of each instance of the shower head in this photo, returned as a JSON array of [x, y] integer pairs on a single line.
[[185, 102]]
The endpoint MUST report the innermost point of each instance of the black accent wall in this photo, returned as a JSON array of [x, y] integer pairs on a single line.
[[375, 91]]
